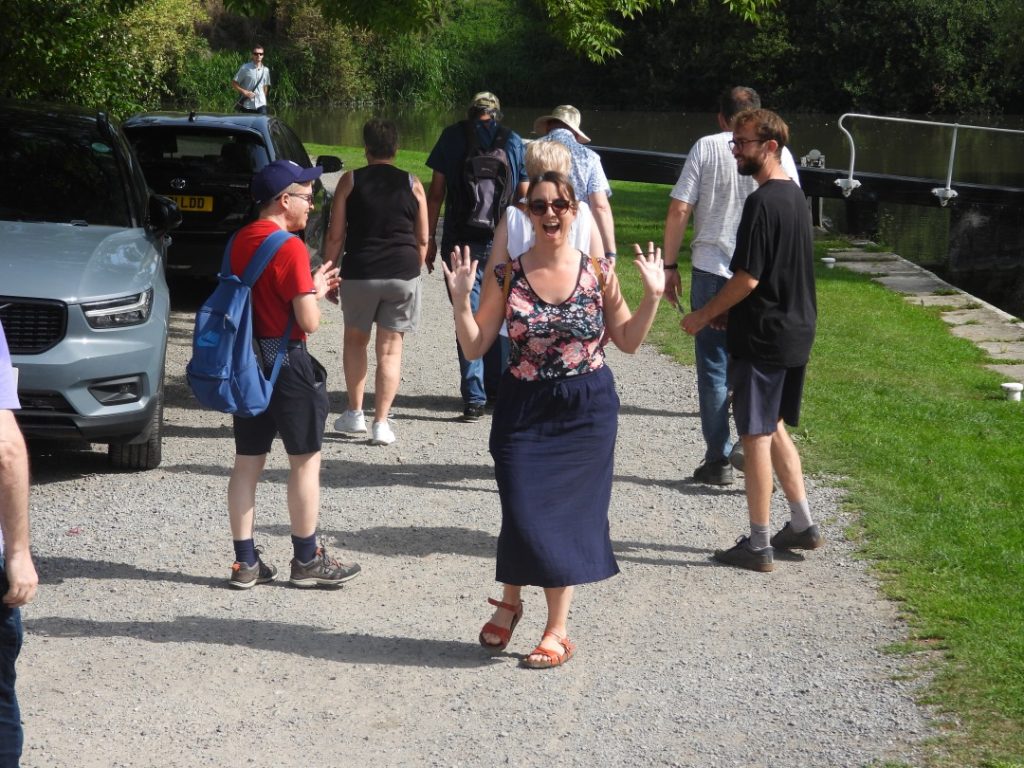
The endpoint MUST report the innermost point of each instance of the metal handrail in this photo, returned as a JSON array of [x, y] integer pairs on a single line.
[[945, 194]]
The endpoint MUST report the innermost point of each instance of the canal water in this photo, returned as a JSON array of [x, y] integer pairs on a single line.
[[916, 232]]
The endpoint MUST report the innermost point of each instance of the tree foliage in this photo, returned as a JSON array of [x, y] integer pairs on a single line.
[[114, 54]]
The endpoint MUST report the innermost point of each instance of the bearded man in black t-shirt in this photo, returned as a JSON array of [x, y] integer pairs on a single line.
[[768, 309]]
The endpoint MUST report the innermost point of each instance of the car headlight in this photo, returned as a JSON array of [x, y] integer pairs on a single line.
[[117, 313]]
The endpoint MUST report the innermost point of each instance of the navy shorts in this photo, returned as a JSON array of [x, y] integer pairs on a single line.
[[298, 410], [763, 394]]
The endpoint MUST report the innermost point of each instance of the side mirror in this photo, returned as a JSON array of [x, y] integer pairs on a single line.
[[163, 214], [330, 163]]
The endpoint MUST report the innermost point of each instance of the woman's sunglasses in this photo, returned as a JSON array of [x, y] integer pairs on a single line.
[[540, 207]]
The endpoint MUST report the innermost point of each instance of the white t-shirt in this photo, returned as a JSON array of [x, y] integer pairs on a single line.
[[710, 183]]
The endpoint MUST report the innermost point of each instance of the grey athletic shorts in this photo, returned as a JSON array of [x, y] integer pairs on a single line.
[[391, 304], [763, 394]]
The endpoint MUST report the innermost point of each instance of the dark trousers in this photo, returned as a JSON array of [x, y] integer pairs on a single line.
[[11, 635]]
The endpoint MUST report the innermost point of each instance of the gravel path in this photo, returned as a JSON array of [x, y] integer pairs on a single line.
[[137, 654]]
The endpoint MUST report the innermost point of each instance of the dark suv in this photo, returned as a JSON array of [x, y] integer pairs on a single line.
[[83, 299], [204, 162]]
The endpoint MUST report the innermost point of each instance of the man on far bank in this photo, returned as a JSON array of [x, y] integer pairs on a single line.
[[252, 82], [586, 174], [710, 188], [467, 223], [770, 312]]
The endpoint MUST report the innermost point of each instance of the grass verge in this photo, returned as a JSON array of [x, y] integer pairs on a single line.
[[931, 457]]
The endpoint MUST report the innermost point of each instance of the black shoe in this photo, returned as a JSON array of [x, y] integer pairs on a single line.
[[787, 538], [473, 412], [714, 473], [744, 556]]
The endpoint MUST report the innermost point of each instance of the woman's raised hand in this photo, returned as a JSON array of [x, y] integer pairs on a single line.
[[652, 268], [462, 274]]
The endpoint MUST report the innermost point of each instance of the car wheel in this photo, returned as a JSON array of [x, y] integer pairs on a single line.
[[145, 455]]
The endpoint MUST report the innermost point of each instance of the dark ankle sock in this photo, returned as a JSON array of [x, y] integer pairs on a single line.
[[245, 551], [304, 547]]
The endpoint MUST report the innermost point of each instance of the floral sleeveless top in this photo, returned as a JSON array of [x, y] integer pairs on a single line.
[[553, 341]]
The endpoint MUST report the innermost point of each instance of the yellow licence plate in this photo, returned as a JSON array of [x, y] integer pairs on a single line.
[[193, 203]]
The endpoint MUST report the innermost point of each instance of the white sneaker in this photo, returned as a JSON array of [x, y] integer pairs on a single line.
[[351, 421], [382, 433]]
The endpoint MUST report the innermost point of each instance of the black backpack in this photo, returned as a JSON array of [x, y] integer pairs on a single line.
[[487, 187]]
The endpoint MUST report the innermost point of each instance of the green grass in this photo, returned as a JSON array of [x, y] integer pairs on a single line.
[[932, 460]]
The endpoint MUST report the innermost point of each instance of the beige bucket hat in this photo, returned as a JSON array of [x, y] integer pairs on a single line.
[[565, 113]]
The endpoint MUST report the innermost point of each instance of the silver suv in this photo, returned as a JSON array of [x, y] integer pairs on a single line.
[[83, 299]]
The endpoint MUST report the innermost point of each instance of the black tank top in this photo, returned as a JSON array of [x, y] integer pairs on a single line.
[[380, 240]]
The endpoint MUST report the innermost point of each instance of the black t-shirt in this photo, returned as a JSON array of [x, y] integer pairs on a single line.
[[775, 323]]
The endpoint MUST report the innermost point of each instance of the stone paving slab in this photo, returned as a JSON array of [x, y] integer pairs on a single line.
[[920, 283], [878, 268], [845, 254], [1011, 372], [1001, 350], [972, 315], [988, 332], [956, 300]]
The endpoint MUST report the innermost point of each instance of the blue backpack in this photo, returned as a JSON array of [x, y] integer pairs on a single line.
[[225, 373]]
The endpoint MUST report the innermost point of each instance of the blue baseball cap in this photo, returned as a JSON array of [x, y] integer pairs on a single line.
[[274, 178]]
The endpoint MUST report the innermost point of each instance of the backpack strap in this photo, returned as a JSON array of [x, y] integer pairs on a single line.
[[259, 261]]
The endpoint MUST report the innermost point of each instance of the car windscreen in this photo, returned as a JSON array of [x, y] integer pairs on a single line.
[[162, 150], [60, 175]]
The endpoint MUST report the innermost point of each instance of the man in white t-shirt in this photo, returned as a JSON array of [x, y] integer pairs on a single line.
[[710, 188], [252, 83]]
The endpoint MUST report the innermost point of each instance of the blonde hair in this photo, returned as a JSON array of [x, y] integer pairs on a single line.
[[544, 156]]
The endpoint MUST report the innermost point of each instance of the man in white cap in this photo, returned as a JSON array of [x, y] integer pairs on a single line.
[[473, 204], [587, 174], [286, 295]]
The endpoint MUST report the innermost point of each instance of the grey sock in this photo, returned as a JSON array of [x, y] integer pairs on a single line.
[[800, 516], [759, 536]]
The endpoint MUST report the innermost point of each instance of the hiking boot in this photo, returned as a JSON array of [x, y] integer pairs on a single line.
[[473, 412], [787, 538], [736, 456], [382, 433], [322, 571], [713, 473], [742, 555], [248, 576], [351, 422]]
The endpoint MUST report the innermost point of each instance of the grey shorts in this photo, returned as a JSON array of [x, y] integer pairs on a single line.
[[391, 304], [763, 394]]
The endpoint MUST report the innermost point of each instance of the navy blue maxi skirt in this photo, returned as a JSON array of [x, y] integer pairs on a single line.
[[553, 444]]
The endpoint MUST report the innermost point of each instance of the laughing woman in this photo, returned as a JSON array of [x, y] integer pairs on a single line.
[[554, 426]]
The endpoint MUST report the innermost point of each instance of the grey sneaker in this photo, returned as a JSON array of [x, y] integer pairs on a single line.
[[736, 456], [322, 570], [744, 556], [248, 576], [787, 538], [713, 473]]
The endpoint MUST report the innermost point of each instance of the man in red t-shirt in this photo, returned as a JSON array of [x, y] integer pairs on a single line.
[[298, 408]]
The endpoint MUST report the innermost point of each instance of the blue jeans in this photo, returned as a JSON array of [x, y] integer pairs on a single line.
[[10, 646], [479, 377], [712, 366]]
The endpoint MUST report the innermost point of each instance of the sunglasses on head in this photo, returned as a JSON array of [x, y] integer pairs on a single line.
[[539, 207]]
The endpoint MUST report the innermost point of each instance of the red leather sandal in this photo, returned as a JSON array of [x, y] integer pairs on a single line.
[[551, 658], [493, 629]]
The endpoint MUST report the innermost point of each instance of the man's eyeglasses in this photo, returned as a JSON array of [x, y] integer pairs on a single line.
[[257, 53], [540, 207], [305, 196], [741, 143]]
